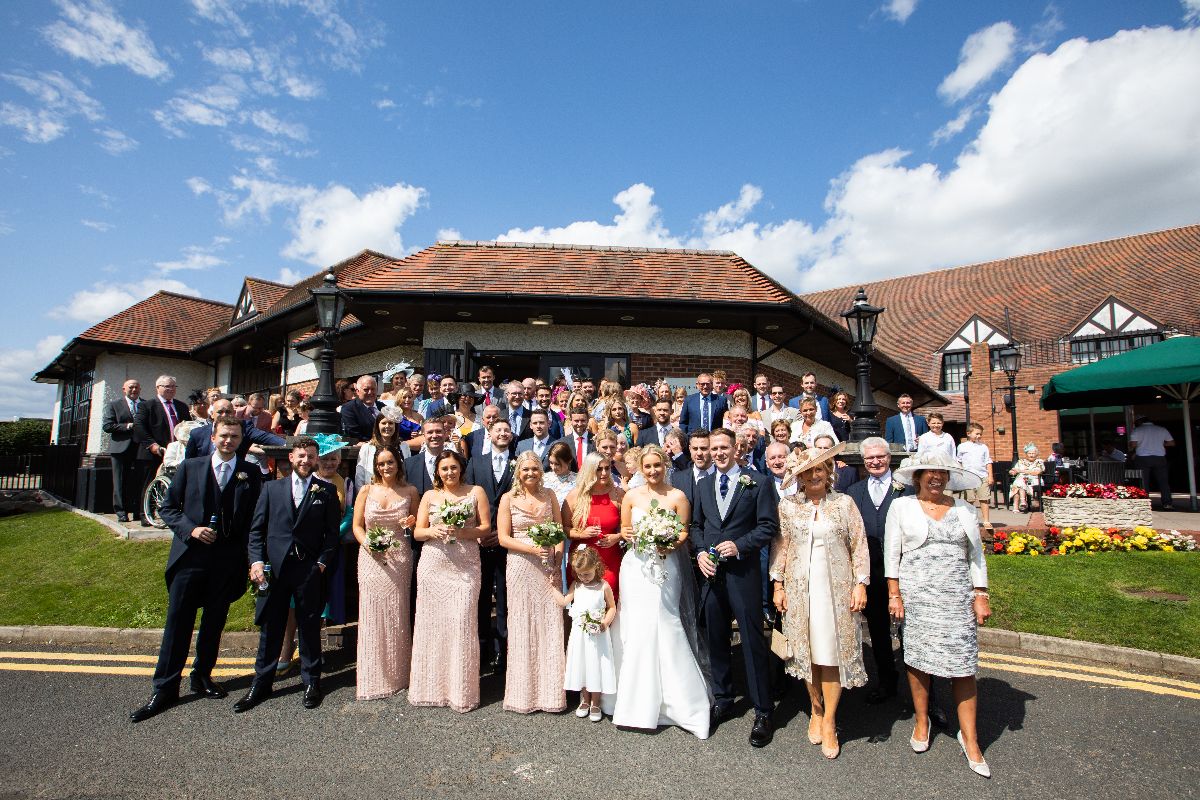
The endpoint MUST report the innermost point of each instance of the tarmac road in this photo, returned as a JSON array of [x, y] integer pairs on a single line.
[[1050, 729]]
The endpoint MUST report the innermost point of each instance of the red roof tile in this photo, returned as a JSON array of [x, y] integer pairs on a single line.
[[1047, 294], [163, 321], [265, 294]]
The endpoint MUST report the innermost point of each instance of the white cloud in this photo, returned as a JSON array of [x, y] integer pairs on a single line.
[[289, 276], [222, 13], [106, 298], [115, 142], [103, 199], [449, 235], [268, 123], [953, 127], [59, 98], [984, 52], [196, 256], [212, 106], [638, 225], [900, 10], [232, 58], [92, 31], [19, 396], [198, 186], [385, 104], [327, 224], [1191, 10], [96, 225], [276, 72]]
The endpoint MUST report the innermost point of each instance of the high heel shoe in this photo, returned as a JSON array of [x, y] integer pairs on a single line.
[[978, 767], [814, 738], [917, 745], [830, 751]]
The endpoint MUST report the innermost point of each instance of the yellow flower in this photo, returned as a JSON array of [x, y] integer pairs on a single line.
[[1168, 548], [1033, 552]]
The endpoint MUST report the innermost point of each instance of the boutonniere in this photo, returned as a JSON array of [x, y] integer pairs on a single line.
[[313, 488], [241, 476], [512, 465], [745, 480], [897, 487]]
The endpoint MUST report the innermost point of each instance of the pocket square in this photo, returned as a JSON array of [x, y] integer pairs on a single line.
[[318, 502]]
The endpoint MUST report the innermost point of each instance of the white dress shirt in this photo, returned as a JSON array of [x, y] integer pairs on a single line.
[[299, 487], [218, 463]]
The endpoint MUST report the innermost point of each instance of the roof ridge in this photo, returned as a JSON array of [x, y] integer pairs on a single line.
[[1037, 254], [603, 248], [184, 296], [267, 280]]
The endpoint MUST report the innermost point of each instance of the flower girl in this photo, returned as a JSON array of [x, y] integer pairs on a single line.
[[590, 669]]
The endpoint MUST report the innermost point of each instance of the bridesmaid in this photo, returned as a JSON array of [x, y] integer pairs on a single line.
[[593, 510], [536, 659], [445, 662], [384, 636]]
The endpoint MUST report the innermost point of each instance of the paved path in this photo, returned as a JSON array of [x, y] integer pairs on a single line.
[[1050, 728]]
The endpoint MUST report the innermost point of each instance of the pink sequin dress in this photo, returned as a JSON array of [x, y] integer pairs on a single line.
[[536, 657], [384, 585], [445, 662]]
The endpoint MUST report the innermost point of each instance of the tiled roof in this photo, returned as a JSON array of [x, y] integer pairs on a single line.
[[600, 272], [265, 294], [163, 321], [1047, 294]]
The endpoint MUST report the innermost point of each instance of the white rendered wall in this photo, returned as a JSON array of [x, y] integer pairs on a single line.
[[113, 369]]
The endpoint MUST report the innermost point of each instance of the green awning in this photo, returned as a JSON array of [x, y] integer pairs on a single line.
[[1129, 379]]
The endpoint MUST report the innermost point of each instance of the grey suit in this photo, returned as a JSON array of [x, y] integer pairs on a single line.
[[118, 423]]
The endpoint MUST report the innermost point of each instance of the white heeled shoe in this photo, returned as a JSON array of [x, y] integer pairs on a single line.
[[917, 745], [978, 767]]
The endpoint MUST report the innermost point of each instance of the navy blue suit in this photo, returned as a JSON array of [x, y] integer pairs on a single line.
[[199, 575], [878, 621], [893, 429], [199, 441], [294, 541], [735, 592], [691, 418], [527, 445], [416, 474], [358, 421], [649, 435], [493, 639], [684, 480], [570, 440]]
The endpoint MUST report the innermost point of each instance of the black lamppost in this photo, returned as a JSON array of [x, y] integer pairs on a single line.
[[331, 307], [861, 320], [1010, 362]]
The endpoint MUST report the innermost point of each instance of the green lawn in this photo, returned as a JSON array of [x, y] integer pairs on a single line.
[[1081, 597], [59, 568]]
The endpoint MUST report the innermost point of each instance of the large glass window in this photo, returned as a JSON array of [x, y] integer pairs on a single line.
[[1085, 351], [954, 370]]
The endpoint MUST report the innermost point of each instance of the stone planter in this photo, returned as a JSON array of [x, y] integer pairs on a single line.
[[1071, 512]]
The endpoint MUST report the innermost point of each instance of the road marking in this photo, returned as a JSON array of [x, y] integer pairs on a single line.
[[1097, 670], [134, 657], [92, 669], [1141, 686]]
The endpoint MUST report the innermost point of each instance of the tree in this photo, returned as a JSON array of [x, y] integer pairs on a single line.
[[24, 436]]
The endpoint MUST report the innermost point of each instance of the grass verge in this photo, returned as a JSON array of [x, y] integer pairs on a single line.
[[60, 568], [1088, 598]]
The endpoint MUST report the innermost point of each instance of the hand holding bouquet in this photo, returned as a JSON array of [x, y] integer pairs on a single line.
[[380, 539], [546, 534]]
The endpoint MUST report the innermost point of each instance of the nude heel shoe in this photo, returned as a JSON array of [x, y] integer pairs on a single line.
[[978, 767]]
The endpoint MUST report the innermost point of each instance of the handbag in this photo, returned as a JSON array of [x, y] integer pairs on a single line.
[[780, 645]]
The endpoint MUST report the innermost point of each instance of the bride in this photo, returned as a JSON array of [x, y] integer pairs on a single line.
[[660, 677]]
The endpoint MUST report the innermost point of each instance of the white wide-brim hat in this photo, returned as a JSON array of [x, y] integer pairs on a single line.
[[960, 478]]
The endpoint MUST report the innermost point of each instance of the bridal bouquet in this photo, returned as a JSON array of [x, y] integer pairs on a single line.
[[657, 531], [546, 534], [455, 515], [380, 539]]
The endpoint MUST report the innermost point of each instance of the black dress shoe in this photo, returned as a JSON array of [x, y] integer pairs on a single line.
[[312, 695], [159, 702], [258, 692], [122, 517], [716, 715], [202, 684], [145, 522], [763, 731], [880, 694]]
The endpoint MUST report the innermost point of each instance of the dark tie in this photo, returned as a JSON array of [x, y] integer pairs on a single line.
[[174, 420], [704, 412], [724, 485]]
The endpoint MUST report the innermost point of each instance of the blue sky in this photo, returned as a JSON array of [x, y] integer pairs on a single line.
[[183, 145]]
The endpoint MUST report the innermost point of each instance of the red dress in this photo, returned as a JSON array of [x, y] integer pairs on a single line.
[[608, 516]]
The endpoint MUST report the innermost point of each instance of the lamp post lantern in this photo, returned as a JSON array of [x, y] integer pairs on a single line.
[[1010, 363], [861, 320], [330, 307]]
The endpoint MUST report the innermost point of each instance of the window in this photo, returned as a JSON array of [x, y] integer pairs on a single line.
[[76, 408], [1086, 351], [954, 370]]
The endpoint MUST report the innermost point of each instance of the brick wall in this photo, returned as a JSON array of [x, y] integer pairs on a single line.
[[988, 409], [647, 368], [305, 388]]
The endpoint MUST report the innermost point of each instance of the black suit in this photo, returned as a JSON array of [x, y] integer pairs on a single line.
[[569, 439], [358, 421], [200, 442], [123, 450], [199, 575], [685, 481], [416, 474], [878, 622], [736, 591], [153, 426], [510, 415], [294, 541], [493, 561], [649, 435]]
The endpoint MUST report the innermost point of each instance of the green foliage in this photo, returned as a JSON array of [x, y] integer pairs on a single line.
[[24, 436], [62, 569]]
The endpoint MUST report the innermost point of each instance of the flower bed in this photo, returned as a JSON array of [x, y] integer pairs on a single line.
[[1098, 491], [1089, 539], [1081, 504]]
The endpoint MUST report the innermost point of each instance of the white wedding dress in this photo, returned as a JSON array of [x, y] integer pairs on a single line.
[[659, 679]]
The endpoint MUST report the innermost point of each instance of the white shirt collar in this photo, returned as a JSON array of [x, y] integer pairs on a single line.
[[216, 459], [884, 478], [734, 471], [301, 482], [698, 473]]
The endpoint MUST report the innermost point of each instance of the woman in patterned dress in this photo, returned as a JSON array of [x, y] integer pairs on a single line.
[[937, 585], [820, 568], [445, 660], [384, 580], [536, 658]]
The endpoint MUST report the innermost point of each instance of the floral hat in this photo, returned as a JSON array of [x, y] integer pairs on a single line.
[[960, 478], [804, 461], [641, 391], [401, 367]]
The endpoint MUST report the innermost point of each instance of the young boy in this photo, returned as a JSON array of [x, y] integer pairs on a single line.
[[975, 457], [935, 440]]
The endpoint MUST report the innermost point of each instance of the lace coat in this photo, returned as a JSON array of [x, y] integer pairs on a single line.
[[849, 561]]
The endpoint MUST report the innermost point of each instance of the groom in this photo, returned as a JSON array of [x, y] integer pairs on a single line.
[[734, 513]]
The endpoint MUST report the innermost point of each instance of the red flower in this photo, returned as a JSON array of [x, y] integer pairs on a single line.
[[997, 547]]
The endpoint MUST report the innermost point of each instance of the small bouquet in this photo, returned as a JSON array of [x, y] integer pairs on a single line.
[[455, 515], [380, 539], [592, 622], [546, 534]]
